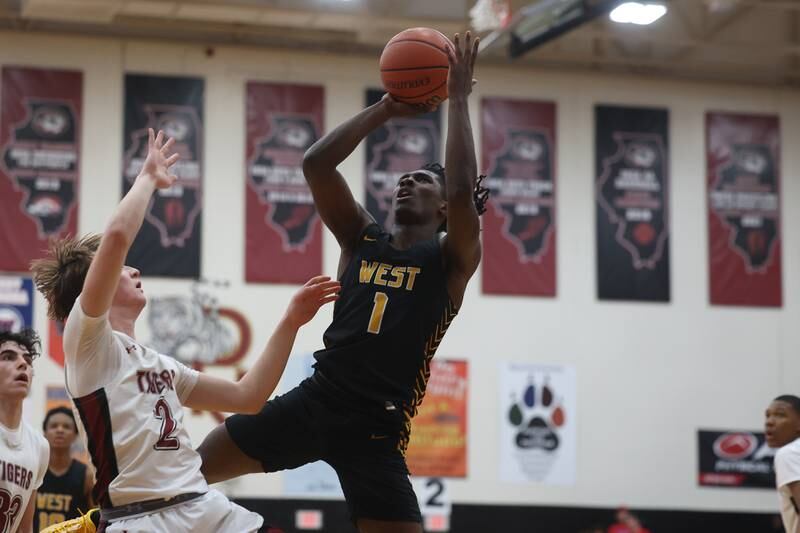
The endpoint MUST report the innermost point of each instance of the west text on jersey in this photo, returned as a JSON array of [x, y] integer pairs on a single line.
[[53, 502], [388, 275]]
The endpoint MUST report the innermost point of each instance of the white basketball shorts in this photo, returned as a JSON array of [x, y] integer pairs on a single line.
[[210, 513]]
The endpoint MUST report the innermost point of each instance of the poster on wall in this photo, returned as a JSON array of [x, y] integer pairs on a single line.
[[537, 423], [200, 329], [169, 243], [40, 132], [739, 459], [16, 303], [313, 480], [744, 215], [438, 446], [519, 227], [283, 230], [632, 197], [399, 146]]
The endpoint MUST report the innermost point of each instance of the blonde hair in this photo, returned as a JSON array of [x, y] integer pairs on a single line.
[[60, 275]]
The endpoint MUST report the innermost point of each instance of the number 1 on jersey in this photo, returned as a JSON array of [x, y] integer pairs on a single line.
[[381, 299]]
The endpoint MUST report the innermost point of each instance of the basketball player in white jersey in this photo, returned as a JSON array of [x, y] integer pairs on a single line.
[[24, 453], [782, 430], [130, 399]]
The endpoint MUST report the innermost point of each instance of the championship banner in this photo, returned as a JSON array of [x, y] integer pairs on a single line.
[[519, 227], [283, 230], [399, 146], [40, 121], [739, 459], [169, 242], [744, 215], [16, 303], [538, 432], [632, 194], [438, 446]]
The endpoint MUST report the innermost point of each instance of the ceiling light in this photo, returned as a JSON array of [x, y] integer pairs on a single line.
[[637, 13]]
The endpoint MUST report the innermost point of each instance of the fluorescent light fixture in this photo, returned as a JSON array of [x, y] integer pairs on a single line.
[[638, 13]]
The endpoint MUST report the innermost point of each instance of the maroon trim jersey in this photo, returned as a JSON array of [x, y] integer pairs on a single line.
[[130, 401], [391, 316], [24, 455]]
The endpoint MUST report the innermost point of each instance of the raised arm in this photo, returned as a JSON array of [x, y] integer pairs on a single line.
[[462, 243], [333, 198], [103, 275], [254, 388]]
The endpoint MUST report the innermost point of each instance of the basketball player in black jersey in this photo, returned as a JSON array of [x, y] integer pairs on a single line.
[[67, 487], [400, 290]]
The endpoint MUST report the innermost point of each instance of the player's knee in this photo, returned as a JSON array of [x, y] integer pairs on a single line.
[[208, 451]]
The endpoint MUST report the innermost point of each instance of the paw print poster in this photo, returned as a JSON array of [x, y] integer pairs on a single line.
[[537, 423]]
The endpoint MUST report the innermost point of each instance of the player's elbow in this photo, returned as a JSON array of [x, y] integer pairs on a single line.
[[251, 408], [116, 236], [314, 162], [251, 403], [311, 161]]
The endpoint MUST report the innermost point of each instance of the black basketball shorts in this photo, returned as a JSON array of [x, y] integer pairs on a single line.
[[310, 424]]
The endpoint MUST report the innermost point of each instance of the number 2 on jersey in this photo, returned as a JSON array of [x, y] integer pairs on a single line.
[[167, 440], [381, 299]]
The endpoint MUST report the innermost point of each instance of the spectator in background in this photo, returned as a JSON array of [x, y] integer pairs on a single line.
[[627, 522], [66, 490], [782, 428]]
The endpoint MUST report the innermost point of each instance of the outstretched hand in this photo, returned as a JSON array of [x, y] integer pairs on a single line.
[[462, 64], [317, 292], [397, 108], [159, 160]]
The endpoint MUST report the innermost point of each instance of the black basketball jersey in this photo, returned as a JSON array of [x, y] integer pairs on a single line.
[[392, 312], [62, 497]]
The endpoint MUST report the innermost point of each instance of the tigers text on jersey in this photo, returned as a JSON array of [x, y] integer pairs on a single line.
[[129, 400], [392, 313], [24, 456]]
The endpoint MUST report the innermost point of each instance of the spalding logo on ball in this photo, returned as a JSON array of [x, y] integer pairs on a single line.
[[414, 67]]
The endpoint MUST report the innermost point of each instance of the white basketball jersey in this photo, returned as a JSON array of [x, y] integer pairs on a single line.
[[787, 471], [24, 456], [134, 422]]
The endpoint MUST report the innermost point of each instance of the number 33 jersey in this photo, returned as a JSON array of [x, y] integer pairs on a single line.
[[129, 398], [392, 312], [24, 456]]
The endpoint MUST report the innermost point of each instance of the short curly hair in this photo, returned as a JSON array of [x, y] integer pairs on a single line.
[[27, 338], [480, 194], [60, 275]]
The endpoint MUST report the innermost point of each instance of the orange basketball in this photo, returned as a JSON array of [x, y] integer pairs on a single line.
[[414, 66]]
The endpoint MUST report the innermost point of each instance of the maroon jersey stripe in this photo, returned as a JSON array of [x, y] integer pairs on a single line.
[[94, 413]]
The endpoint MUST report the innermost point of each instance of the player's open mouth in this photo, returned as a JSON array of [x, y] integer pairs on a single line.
[[403, 193], [139, 285], [22, 378]]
